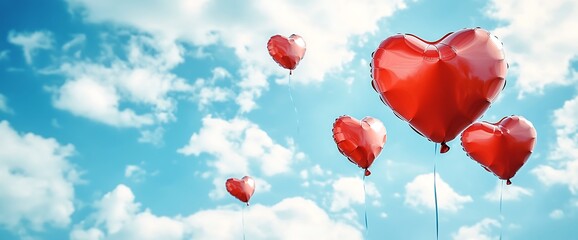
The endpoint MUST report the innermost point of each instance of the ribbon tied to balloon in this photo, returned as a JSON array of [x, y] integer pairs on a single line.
[[286, 51], [502, 148], [360, 141], [241, 189], [439, 87]]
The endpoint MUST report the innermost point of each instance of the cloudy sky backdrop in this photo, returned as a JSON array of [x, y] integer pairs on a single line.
[[122, 120]]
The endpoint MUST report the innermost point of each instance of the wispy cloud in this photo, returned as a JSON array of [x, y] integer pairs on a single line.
[[154, 137], [4, 105], [4, 54], [562, 170], [135, 173], [556, 214], [31, 42], [419, 193], [507, 192]]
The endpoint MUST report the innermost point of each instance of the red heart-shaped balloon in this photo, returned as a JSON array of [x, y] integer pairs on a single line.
[[287, 52], [360, 141], [242, 188], [439, 87], [501, 148]]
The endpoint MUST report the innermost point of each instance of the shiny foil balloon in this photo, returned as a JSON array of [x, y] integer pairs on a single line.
[[287, 52], [501, 148], [242, 188], [440, 87], [360, 141]]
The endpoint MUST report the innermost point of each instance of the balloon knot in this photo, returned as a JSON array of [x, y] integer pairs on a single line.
[[367, 172], [508, 182], [445, 148], [290, 72]]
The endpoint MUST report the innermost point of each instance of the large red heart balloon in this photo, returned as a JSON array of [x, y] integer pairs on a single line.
[[439, 87], [287, 52], [242, 188], [501, 148], [360, 141]]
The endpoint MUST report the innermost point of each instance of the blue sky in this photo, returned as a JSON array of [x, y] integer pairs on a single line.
[[122, 120]]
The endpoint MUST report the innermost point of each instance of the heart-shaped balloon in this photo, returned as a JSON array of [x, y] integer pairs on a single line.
[[287, 52], [242, 188], [360, 141], [440, 87], [501, 148]]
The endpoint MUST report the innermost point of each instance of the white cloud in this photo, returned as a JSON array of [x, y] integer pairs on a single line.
[[235, 144], [539, 39], [214, 94], [312, 172], [316, 170], [118, 216], [4, 105], [479, 231], [36, 181], [252, 85], [419, 193], [327, 31], [508, 192], [154, 137], [135, 173], [349, 190], [292, 218], [565, 175], [31, 42], [304, 174], [87, 97], [562, 170], [77, 41], [262, 185], [88, 234], [142, 79], [4, 55], [207, 92], [557, 214]]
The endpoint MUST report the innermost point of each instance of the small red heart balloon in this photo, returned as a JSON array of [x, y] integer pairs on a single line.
[[501, 148], [242, 188], [439, 87], [360, 141], [287, 52]]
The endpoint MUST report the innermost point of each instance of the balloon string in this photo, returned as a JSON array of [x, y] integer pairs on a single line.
[[501, 215], [436, 193], [293, 102], [243, 220], [365, 205]]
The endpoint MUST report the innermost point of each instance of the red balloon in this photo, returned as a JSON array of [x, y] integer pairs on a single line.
[[287, 52], [501, 148], [439, 87], [242, 188], [360, 141]]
